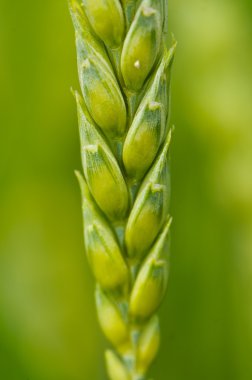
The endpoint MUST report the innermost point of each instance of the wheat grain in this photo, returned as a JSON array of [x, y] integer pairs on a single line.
[[124, 70]]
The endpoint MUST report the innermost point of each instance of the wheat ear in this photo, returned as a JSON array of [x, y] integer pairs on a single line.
[[124, 71]]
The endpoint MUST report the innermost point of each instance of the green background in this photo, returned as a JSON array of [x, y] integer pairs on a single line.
[[48, 327]]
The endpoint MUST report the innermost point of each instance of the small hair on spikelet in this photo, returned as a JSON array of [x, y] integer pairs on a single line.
[[124, 68]]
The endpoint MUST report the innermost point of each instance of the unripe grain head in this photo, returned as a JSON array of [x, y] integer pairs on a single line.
[[124, 68]]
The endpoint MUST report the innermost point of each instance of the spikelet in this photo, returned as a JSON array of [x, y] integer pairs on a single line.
[[151, 206], [124, 68], [98, 83], [107, 20], [111, 320], [148, 344], [150, 286], [149, 125], [142, 44], [103, 251], [101, 170], [116, 369]]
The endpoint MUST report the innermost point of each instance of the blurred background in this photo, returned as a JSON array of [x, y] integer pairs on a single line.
[[48, 327]]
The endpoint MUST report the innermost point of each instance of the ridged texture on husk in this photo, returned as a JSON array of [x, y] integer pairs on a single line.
[[124, 69]]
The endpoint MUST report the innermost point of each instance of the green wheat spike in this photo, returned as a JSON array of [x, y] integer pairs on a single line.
[[124, 68]]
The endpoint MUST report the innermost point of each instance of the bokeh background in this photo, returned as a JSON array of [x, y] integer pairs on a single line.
[[48, 328]]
